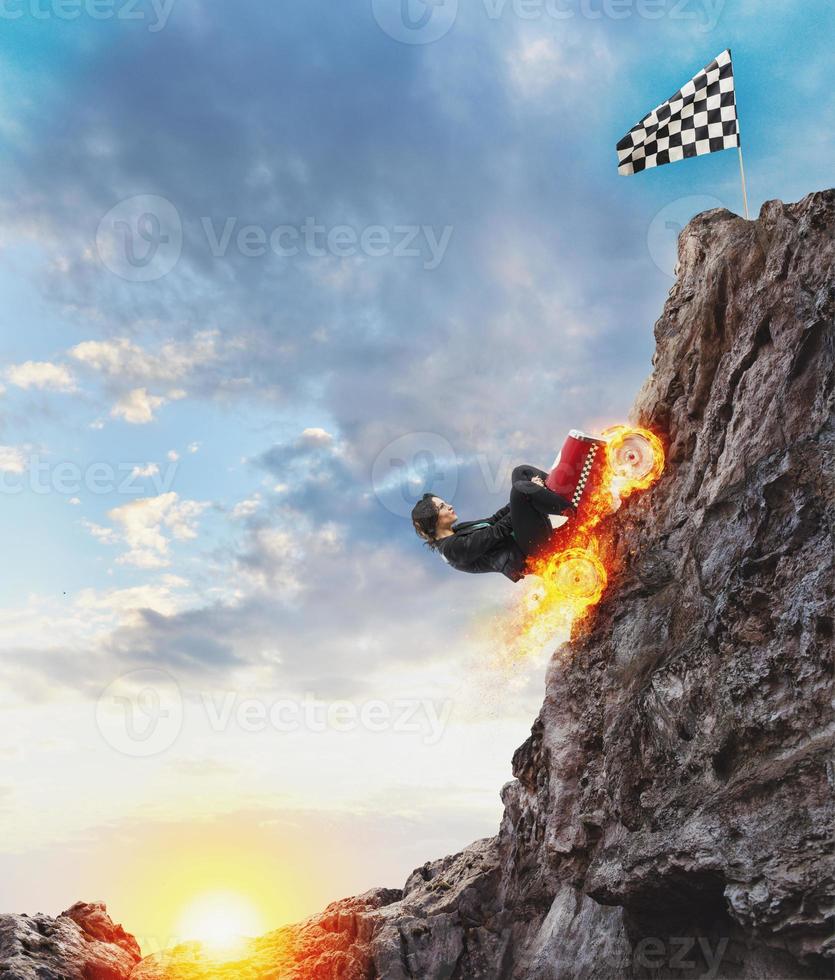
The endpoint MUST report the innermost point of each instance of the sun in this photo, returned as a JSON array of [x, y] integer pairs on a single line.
[[221, 921]]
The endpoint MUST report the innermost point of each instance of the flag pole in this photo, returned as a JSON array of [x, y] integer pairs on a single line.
[[744, 188], [741, 164]]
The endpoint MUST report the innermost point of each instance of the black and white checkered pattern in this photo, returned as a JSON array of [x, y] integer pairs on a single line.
[[699, 118], [584, 476]]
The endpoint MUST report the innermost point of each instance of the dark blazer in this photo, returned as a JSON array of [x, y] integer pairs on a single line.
[[485, 549]]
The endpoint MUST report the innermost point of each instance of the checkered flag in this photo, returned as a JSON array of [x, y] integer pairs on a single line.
[[699, 118]]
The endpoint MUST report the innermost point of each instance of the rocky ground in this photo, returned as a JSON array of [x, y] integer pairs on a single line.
[[80, 944], [672, 814]]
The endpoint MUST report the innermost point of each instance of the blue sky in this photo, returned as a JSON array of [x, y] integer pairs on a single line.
[[261, 421]]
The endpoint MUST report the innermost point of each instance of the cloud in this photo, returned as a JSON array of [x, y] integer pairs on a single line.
[[12, 460], [142, 379], [276, 557], [149, 470], [104, 534], [120, 606], [137, 407], [314, 454], [386, 359], [536, 64], [42, 667], [316, 437], [122, 359], [301, 601], [305, 595], [246, 508], [42, 375], [147, 526], [543, 67]]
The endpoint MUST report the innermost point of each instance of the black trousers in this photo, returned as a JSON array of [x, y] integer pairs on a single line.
[[530, 506]]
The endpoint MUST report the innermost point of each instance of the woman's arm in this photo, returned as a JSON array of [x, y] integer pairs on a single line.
[[462, 549], [526, 472]]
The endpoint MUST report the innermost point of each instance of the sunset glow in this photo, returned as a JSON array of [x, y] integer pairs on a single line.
[[222, 922]]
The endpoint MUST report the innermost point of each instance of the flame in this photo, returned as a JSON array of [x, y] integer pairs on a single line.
[[567, 582], [618, 449]]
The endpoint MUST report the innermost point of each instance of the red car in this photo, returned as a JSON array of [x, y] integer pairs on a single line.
[[595, 474]]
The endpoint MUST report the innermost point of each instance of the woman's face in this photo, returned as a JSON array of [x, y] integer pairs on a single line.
[[446, 514]]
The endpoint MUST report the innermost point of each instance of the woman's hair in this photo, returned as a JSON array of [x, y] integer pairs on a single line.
[[425, 519]]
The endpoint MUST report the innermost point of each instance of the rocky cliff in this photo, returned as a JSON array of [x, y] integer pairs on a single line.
[[80, 944], [672, 813]]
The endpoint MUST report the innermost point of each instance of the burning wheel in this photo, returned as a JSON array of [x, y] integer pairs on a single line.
[[579, 575], [635, 456]]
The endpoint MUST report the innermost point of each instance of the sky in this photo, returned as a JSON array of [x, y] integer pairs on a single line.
[[270, 272]]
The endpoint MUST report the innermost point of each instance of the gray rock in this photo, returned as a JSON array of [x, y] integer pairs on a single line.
[[80, 944]]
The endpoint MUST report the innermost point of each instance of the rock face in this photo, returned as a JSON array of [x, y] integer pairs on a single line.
[[79, 944], [672, 814], [681, 767]]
